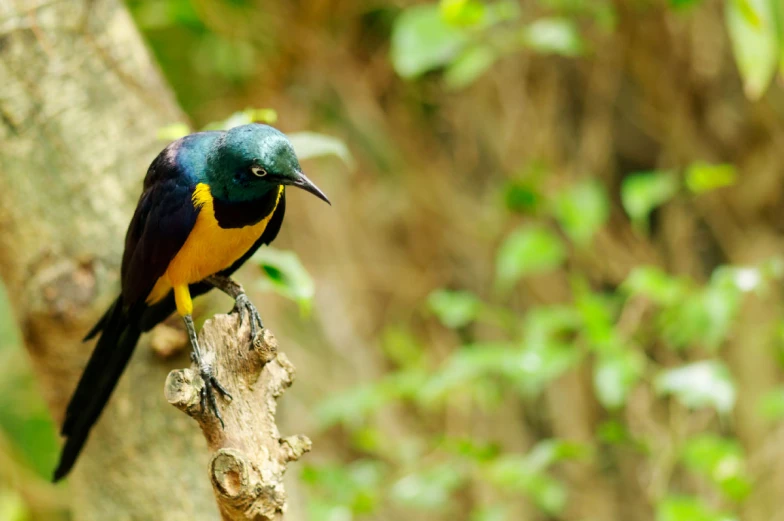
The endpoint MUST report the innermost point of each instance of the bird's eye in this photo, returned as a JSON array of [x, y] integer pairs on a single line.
[[258, 171]]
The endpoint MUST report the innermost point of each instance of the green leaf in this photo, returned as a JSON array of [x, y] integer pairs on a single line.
[[554, 36], [684, 4], [522, 196], [284, 274], [598, 314], [685, 508], [352, 407], [310, 145], [12, 506], [464, 13], [705, 317], [454, 309], [721, 460], [653, 283], [470, 448], [752, 28], [527, 473], [642, 192], [615, 375], [422, 41], [550, 451], [429, 489], [582, 209], [461, 371], [173, 132], [613, 432], [244, 117], [703, 177], [469, 66], [700, 384], [340, 490], [528, 251]]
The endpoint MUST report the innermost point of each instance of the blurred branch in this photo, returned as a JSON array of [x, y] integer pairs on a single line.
[[249, 457]]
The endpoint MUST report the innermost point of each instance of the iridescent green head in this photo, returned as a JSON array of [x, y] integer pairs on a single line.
[[250, 161]]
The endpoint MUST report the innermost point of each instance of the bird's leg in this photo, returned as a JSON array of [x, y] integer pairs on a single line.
[[205, 370], [242, 303]]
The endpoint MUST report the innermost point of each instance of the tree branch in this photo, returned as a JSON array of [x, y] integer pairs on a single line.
[[249, 457]]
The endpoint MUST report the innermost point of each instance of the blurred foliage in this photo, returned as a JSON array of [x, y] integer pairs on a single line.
[[478, 382]]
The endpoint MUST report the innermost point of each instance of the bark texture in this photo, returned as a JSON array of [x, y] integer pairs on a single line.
[[249, 456], [80, 105]]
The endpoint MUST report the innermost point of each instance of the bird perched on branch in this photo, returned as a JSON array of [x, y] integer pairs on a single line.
[[210, 200]]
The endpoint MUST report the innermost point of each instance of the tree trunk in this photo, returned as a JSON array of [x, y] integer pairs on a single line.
[[80, 104]]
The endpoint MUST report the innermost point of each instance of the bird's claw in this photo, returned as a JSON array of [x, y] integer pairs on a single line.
[[211, 385], [243, 305]]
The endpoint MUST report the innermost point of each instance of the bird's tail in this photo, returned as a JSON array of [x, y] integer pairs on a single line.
[[120, 334]]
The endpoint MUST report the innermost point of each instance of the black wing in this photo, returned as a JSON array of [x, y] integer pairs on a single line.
[[163, 220]]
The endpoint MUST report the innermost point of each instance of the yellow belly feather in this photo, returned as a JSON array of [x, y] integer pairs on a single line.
[[209, 249]]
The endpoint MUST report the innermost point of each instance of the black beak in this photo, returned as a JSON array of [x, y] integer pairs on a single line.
[[306, 184]]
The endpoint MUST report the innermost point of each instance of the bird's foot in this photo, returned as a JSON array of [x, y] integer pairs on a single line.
[[211, 385], [243, 306]]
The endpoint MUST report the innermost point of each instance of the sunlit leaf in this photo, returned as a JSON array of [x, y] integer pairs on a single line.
[[469, 66], [465, 366], [615, 375], [353, 406], [656, 285], [703, 177], [429, 489], [700, 384], [549, 451], [752, 29], [454, 308], [526, 473], [244, 117], [173, 132], [686, 508], [340, 490], [642, 192], [284, 274], [422, 40], [310, 145], [528, 251], [721, 460], [598, 313], [471, 448], [554, 36], [462, 12], [12, 506], [582, 209]]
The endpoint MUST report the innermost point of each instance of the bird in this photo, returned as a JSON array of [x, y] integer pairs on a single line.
[[209, 201]]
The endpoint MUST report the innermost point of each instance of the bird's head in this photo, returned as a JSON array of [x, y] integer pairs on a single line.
[[249, 161]]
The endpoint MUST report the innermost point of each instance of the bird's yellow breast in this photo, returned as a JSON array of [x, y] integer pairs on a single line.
[[209, 248]]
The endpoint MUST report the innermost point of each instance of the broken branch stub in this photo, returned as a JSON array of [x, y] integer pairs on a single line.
[[249, 456]]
